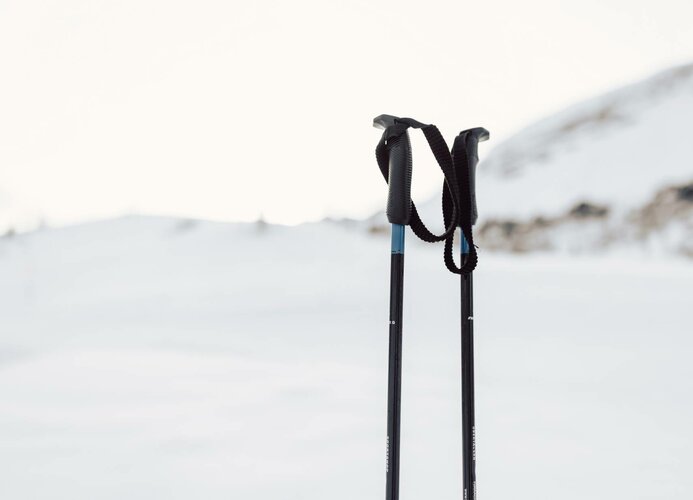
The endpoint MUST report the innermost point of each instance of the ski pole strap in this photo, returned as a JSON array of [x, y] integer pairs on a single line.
[[394, 135], [459, 169], [465, 158]]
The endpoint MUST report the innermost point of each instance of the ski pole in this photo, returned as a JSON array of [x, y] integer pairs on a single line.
[[466, 146], [398, 209]]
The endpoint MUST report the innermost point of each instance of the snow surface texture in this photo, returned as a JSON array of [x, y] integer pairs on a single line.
[[618, 152], [147, 358]]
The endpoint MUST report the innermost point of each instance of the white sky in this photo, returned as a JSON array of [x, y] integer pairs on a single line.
[[226, 110]]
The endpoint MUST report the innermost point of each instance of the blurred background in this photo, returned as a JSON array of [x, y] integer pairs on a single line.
[[194, 256]]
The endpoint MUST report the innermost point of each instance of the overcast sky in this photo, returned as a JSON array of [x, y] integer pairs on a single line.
[[228, 110]]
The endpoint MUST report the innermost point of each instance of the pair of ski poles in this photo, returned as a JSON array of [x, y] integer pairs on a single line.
[[393, 154]]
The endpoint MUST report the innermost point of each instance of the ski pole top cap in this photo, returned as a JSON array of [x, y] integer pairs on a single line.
[[480, 133], [384, 121]]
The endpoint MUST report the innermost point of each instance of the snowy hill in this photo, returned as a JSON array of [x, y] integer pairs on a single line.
[[598, 175], [150, 358], [616, 149]]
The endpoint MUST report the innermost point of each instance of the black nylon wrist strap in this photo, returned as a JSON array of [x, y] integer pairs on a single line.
[[456, 197], [462, 162]]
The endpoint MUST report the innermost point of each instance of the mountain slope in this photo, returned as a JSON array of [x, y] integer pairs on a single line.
[[617, 149], [590, 177]]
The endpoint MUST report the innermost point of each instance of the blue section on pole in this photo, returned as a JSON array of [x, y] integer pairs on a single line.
[[397, 238], [464, 246]]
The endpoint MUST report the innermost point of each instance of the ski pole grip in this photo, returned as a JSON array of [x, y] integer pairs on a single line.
[[473, 137], [399, 168]]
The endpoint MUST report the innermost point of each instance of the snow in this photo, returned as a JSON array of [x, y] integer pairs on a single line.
[[151, 357]]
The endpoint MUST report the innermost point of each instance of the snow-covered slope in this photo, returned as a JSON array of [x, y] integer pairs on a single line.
[[617, 149], [147, 358], [586, 178]]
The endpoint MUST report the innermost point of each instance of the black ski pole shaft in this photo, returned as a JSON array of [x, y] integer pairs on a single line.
[[467, 341], [394, 389]]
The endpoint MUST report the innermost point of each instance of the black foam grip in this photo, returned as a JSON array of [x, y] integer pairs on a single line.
[[472, 138], [472, 160], [399, 179]]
